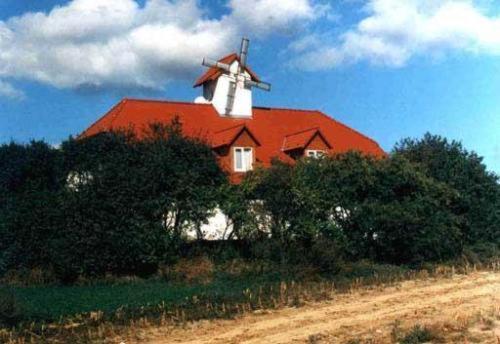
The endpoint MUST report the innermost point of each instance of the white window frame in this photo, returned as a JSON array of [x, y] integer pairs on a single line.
[[314, 153], [246, 161]]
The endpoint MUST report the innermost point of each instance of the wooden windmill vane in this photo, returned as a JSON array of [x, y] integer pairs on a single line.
[[228, 84]]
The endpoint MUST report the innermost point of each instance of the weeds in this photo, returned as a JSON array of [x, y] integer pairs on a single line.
[[418, 335]]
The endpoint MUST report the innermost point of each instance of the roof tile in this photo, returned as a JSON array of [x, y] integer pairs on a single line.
[[271, 126]]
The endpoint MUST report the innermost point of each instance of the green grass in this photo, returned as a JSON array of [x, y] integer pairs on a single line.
[[49, 303], [53, 302]]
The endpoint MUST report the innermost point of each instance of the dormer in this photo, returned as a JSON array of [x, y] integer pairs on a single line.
[[228, 83], [309, 143]]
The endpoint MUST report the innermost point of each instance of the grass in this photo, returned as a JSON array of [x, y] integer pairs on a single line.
[[50, 303], [53, 302], [82, 313]]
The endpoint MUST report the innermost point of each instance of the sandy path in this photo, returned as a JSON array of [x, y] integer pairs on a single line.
[[353, 315]]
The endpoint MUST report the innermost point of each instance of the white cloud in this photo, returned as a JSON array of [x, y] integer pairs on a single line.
[[9, 91], [119, 44], [394, 31], [273, 16]]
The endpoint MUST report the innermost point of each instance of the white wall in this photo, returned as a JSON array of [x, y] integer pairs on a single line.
[[243, 97], [219, 227]]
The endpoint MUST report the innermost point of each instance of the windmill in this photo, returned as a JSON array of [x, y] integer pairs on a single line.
[[239, 80]]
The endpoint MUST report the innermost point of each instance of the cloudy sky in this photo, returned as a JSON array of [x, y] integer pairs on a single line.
[[389, 68]]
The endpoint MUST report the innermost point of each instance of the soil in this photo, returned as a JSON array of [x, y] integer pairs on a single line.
[[459, 309]]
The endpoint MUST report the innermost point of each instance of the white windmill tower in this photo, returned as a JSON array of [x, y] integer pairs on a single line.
[[228, 84]]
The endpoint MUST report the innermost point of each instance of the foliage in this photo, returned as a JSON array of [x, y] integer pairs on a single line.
[[10, 309], [479, 191], [115, 202], [409, 217], [123, 203], [133, 201], [30, 179], [417, 335], [388, 209]]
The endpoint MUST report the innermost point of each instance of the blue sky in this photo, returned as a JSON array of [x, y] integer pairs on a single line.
[[388, 68]]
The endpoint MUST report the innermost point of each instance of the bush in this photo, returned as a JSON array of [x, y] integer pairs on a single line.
[[112, 203], [479, 190], [10, 309], [388, 210], [418, 335], [133, 200], [481, 252], [408, 218], [30, 182]]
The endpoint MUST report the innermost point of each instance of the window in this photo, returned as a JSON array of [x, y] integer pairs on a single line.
[[314, 153], [243, 159]]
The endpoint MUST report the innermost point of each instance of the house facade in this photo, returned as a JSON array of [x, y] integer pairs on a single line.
[[242, 136]]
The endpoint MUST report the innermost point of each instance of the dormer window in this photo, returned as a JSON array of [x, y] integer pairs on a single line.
[[243, 159], [314, 153]]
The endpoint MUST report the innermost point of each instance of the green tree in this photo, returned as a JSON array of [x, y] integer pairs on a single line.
[[30, 180], [409, 217], [479, 191], [130, 199]]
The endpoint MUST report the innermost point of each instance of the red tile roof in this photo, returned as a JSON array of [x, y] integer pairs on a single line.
[[302, 139], [227, 136], [213, 73], [269, 126]]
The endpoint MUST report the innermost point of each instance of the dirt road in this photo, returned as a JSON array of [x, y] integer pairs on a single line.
[[449, 306]]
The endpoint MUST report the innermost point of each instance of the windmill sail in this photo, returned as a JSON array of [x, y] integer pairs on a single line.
[[230, 97], [244, 53], [232, 93]]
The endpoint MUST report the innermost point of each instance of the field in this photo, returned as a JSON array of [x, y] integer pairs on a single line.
[[461, 309], [366, 303]]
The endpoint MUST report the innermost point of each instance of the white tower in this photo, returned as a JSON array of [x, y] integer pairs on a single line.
[[228, 84]]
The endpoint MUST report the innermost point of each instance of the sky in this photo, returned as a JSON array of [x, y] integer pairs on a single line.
[[388, 68]]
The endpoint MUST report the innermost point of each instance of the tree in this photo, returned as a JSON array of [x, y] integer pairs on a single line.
[[479, 191], [132, 198], [30, 180], [409, 217]]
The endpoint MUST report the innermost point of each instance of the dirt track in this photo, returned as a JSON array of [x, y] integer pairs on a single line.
[[370, 315]]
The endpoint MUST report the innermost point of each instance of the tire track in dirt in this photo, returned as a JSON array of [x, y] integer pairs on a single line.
[[347, 314]]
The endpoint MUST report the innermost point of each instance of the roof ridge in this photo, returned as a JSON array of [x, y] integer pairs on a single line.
[[118, 110], [349, 128], [166, 101], [283, 108], [96, 122]]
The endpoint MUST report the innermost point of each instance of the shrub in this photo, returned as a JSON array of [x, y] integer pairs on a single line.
[[409, 217], [10, 309], [388, 209], [133, 200], [481, 252], [418, 335], [479, 190], [30, 182]]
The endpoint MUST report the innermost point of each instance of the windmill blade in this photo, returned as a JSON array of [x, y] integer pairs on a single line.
[[244, 52], [215, 64], [262, 85], [231, 92]]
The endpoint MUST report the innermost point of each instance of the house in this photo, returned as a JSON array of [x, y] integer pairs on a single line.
[[243, 136]]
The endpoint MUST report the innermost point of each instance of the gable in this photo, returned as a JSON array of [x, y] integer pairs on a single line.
[[244, 139], [317, 143]]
